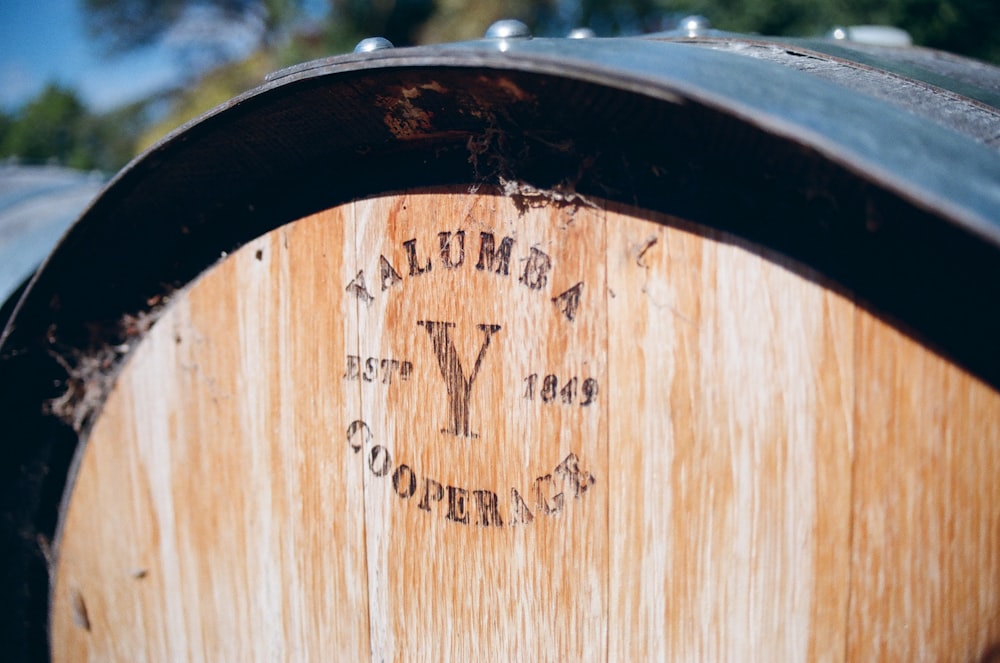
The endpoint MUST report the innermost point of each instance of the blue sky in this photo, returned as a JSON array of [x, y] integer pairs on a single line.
[[45, 40]]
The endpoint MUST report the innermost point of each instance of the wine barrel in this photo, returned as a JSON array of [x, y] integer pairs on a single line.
[[680, 347]]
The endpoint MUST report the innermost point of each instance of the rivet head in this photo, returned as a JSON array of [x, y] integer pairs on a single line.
[[876, 35], [694, 26], [373, 44], [581, 33], [508, 28]]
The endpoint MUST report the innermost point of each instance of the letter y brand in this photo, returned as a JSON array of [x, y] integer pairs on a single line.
[[458, 385]]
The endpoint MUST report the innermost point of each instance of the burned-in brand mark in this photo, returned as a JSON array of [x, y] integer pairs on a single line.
[[374, 369], [494, 256], [461, 352], [570, 392], [457, 385], [547, 495]]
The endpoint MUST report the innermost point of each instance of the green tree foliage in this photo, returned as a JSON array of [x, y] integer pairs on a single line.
[[5, 123], [123, 25], [47, 127], [968, 27], [56, 127], [399, 21], [457, 20]]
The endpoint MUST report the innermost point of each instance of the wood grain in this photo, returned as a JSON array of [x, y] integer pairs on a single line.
[[925, 584], [454, 426], [735, 484]]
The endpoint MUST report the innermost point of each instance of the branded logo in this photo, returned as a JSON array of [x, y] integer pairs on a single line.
[[458, 386], [459, 367]]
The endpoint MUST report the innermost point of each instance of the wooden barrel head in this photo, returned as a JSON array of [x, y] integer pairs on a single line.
[[462, 425]]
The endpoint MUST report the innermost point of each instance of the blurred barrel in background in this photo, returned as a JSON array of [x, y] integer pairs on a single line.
[[608, 349], [37, 204]]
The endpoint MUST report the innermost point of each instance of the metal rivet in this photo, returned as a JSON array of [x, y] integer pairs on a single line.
[[373, 44], [581, 33], [508, 28], [877, 35], [839, 33], [694, 26]]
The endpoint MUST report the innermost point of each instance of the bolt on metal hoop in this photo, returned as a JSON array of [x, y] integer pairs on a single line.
[[371, 44], [694, 26], [508, 28]]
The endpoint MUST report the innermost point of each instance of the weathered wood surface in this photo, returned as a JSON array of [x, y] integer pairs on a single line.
[[386, 432]]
